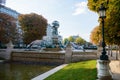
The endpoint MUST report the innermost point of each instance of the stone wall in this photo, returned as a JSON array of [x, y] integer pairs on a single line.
[[80, 56], [52, 57], [6, 53], [39, 57], [3, 53]]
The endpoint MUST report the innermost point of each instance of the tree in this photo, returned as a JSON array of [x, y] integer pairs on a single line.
[[8, 29], [77, 40], [33, 26], [112, 23], [94, 5], [71, 39], [80, 41], [65, 41], [96, 36]]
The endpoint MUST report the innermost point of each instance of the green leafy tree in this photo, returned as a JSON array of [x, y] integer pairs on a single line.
[[94, 5], [65, 41], [113, 23], [71, 39], [112, 30], [77, 40], [33, 26], [80, 41]]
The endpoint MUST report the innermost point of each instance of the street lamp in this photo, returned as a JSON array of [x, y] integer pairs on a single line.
[[102, 15], [103, 62]]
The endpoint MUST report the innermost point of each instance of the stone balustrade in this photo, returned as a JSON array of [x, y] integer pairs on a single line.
[[52, 57], [41, 57], [79, 56]]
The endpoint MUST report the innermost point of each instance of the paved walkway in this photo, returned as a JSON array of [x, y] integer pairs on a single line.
[[115, 66], [45, 75], [115, 69]]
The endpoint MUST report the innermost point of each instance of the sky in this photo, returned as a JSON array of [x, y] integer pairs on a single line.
[[73, 15]]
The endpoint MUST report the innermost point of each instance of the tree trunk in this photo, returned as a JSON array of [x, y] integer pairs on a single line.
[[108, 50], [117, 48], [119, 52], [111, 50]]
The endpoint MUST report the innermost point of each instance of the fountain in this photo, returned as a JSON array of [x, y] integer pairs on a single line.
[[49, 49], [52, 41]]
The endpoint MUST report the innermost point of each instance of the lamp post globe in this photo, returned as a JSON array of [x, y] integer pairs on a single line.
[[102, 11]]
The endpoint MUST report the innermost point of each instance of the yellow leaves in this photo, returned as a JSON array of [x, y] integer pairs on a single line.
[[95, 36]]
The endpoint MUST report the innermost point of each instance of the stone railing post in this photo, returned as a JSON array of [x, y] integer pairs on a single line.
[[99, 50], [9, 50], [68, 54]]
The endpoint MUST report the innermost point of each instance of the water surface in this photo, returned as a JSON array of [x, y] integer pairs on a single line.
[[14, 71]]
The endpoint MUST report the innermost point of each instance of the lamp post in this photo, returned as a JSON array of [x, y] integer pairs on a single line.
[[103, 62], [102, 15]]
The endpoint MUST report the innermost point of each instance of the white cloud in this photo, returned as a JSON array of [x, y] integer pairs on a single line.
[[80, 8]]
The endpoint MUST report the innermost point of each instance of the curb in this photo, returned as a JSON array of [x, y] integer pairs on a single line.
[[48, 73]]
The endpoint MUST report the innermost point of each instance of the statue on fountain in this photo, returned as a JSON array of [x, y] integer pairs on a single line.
[[56, 39], [55, 26]]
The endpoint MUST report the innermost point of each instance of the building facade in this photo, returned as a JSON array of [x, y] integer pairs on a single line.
[[14, 14], [2, 2], [9, 11]]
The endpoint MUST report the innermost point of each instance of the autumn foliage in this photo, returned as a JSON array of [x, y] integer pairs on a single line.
[[96, 36], [7, 28], [33, 26], [112, 20]]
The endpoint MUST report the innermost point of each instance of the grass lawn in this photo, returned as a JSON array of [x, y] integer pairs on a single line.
[[84, 70]]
